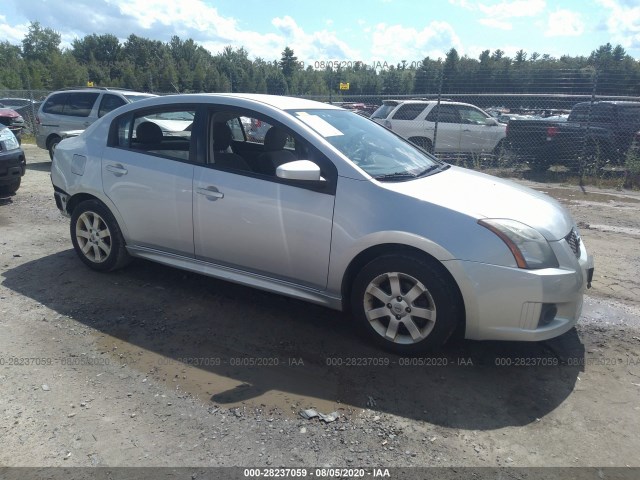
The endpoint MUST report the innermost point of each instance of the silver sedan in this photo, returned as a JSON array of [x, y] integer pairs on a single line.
[[328, 207]]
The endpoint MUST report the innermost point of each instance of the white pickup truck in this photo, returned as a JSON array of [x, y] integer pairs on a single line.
[[462, 128]]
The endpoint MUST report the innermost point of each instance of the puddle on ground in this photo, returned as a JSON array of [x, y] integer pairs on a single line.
[[232, 381], [589, 196]]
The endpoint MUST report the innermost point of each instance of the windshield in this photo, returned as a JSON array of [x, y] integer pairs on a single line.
[[372, 147]]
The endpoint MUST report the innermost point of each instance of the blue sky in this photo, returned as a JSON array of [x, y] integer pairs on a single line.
[[350, 30]]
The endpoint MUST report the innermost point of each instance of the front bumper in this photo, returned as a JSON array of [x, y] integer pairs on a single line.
[[62, 198], [13, 165], [505, 303]]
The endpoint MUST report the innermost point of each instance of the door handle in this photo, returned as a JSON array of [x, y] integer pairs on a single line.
[[118, 170], [211, 192]]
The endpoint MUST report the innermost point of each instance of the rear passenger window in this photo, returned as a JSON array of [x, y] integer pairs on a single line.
[[444, 114], [55, 103], [409, 111], [166, 133], [80, 104]]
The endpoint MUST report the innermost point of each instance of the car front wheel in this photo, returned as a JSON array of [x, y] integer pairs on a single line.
[[406, 304], [97, 238]]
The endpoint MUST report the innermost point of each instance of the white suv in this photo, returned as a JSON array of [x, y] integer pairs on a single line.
[[75, 109], [462, 128]]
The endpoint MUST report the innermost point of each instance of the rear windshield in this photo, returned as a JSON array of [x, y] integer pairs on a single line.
[[383, 111]]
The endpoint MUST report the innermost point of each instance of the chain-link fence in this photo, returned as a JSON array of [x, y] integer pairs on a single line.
[[24, 102], [575, 121]]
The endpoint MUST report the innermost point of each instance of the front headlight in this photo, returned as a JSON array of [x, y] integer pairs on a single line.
[[8, 139], [18, 119], [529, 248]]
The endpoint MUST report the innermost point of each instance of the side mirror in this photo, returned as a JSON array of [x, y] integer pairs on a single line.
[[299, 170], [491, 122]]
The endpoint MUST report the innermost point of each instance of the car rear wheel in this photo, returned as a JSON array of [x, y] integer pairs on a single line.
[[10, 188], [53, 143], [406, 304], [97, 238]]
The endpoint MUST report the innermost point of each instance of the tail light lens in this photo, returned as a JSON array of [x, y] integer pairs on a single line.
[[551, 132]]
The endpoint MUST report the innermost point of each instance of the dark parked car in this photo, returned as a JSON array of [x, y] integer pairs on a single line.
[[12, 162], [602, 132]]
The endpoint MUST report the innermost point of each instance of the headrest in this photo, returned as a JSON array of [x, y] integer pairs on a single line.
[[149, 132], [221, 136], [275, 139]]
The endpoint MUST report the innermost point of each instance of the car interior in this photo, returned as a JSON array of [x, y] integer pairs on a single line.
[[235, 147]]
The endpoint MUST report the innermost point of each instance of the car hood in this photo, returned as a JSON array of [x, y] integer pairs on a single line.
[[483, 196], [7, 112]]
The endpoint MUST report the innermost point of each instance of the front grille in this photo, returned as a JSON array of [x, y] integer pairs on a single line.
[[573, 239]]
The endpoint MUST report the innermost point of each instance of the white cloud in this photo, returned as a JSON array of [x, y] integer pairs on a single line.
[[495, 23], [623, 23], [322, 45], [410, 44], [162, 19], [12, 33], [564, 23], [499, 14], [513, 9]]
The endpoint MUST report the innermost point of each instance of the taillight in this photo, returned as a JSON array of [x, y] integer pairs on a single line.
[[552, 132], [37, 120]]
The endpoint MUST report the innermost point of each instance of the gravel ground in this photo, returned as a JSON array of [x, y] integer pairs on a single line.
[[152, 366]]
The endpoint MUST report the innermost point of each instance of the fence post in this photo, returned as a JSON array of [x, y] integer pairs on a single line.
[[585, 138], [435, 129]]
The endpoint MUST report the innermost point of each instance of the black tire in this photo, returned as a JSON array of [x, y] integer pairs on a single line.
[[538, 164], [53, 143], [11, 188], [423, 143], [91, 224], [438, 299]]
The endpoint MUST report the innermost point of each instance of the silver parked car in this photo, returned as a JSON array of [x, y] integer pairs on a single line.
[[333, 209], [74, 109]]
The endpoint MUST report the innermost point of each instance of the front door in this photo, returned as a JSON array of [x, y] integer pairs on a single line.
[[260, 223]]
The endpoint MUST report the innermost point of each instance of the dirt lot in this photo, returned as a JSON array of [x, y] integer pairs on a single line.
[[151, 366]]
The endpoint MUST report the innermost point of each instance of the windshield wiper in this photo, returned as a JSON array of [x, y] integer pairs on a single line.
[[395, 176], [407, 175], [429, 170]]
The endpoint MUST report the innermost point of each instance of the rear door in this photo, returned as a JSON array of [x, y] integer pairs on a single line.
[[69, 111], [476, 135], [149, 178], [406, 122], [447, 135]]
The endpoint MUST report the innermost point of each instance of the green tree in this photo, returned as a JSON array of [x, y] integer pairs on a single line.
[[12, 64], [40, 43]]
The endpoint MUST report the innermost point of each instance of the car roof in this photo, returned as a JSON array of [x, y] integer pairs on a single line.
[[276, 101], [623, 103], [98, 90], [422, 102]]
